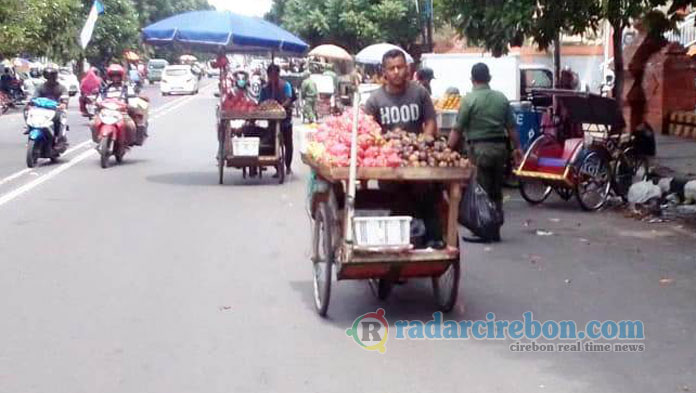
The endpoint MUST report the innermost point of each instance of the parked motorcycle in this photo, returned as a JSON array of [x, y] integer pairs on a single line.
[[42, 142]]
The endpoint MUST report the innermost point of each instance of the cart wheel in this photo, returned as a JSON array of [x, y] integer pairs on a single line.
[[534, 191], [221, 158], [564, 192], [446, 287], [281, 166], [629, 168], [323, 257], [593, 181]]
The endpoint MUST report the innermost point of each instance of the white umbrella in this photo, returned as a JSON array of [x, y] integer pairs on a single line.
[[373, 54]]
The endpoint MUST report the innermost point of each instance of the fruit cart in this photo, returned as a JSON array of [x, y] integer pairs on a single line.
[[246, 150], [223, 32], [377, 247]]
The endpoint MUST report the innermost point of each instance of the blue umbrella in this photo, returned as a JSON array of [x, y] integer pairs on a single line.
[[223, 30]]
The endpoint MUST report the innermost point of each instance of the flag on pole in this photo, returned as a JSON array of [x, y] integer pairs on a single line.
[[88, 29]]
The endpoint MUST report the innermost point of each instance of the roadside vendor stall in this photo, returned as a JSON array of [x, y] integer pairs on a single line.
[[360, 230], [223, 32]]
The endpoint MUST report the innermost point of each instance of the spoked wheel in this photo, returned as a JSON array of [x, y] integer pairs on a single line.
[[446, 287], [564, 192], [534, 191], [221, 158], [105, 151], [280, 167], [33, 153], [629, 168], [593, 182], [323, 257]]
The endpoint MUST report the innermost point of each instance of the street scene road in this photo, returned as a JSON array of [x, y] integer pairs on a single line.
[[149, 276], [347, 196]]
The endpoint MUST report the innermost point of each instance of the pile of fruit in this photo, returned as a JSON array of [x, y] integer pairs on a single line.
[[271, 107], [420, 150], [330, 146], [237, 101], [448, 102]]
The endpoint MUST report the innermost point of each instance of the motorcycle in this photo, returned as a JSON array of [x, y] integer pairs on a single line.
[[42, 142], [110, 131], [91, 105]]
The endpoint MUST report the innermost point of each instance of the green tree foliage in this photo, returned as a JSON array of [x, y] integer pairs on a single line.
[[39, 26], [117, 30], [352, 24]]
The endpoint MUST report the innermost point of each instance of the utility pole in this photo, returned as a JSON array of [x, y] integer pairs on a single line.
[[429, 21]]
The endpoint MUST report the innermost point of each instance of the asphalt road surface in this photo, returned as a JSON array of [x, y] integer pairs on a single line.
[[150, 277]]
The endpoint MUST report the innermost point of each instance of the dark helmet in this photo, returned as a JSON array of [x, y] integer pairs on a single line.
[[50, 73]]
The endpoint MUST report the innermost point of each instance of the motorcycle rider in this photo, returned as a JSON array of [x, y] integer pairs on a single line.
[[90, 84], [115, 88], [55, 91], [6, 80]]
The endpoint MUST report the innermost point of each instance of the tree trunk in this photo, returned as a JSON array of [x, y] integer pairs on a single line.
[[557, 61], [617, 38]]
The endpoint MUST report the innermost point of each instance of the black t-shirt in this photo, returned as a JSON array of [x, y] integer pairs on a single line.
[[408, 110]]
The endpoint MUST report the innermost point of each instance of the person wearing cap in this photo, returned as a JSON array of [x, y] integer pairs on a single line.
[[487, 122], [424, 76]]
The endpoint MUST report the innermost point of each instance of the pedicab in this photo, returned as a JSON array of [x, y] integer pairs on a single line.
[[223, 32], [584, 151], [353, 236]]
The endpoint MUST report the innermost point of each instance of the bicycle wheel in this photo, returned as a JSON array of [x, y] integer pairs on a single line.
[[593, 181]]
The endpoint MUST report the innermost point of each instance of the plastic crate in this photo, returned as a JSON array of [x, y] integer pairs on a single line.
[[246, 146], [447, 119], [391, 231]]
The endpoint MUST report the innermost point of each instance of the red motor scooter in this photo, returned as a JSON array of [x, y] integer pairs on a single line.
[[110, 131]]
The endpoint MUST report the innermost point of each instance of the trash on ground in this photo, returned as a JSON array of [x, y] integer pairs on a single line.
[[665, 282], [542, 232], [642, 192]]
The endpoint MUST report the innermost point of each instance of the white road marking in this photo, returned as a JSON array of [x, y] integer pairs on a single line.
[[50, 175], [15, 175]]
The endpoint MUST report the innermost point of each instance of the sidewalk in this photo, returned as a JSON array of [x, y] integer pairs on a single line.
[[676, 157]]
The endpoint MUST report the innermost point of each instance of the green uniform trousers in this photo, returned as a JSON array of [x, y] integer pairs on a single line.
[[490, 159], [309, 109]]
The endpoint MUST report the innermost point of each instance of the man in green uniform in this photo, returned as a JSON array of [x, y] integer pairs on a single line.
[[309, 97], [488, 124]]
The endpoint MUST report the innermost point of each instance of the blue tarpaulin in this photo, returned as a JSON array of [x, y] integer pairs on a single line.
[[223, 30]]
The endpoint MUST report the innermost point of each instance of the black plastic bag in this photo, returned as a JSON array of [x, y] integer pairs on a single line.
[[478, 213]]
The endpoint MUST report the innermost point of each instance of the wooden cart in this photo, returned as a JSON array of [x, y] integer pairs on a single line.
[[382, 266], [227, 158]]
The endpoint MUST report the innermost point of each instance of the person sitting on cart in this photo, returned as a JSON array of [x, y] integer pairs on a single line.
[[281, 91], [404, 104], [487, 121]]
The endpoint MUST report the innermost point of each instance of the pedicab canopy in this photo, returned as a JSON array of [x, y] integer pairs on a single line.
[[218, 31]]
